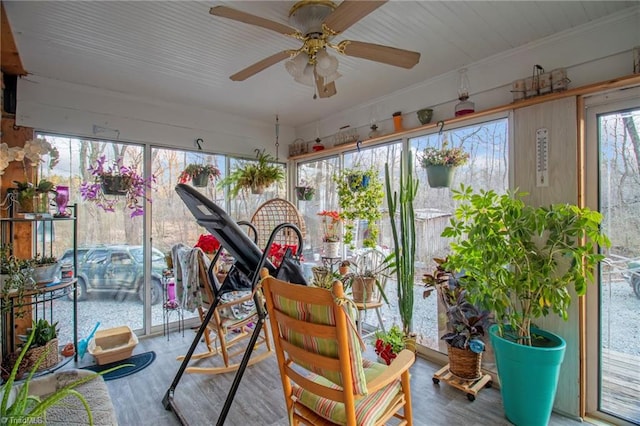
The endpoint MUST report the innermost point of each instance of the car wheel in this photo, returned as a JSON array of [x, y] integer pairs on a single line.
[[156, 292], [81, 290], [636, 285]]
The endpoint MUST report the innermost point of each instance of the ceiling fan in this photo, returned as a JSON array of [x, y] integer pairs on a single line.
[[316, 23]]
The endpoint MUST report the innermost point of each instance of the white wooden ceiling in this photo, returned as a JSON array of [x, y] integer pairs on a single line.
[[176, 51]]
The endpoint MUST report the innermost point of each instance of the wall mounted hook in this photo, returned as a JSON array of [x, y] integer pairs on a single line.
[[199, 143], [441, 124]]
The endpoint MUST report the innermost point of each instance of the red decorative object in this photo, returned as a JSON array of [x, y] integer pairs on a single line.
[[277, 251], [385, 351], [208, 243]]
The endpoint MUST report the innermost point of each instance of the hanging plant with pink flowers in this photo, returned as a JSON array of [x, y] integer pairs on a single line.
[[116, 179]]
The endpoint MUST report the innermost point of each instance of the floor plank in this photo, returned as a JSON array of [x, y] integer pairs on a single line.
[[259, 400]]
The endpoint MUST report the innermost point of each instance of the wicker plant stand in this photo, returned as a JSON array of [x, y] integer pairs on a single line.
[[471, 387]]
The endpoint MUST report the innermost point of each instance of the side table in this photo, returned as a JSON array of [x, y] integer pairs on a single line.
[[331, 262]]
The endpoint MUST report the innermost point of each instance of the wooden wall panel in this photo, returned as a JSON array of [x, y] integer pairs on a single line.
[[559, 117], [22, 242], [16, 136]]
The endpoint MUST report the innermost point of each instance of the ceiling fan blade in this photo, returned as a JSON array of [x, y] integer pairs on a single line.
[[324, 90], [247, 18], [259, 66], [349, 12], [376, 52]]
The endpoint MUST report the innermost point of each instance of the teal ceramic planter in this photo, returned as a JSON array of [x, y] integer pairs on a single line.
[[528, 377], [440, 176]]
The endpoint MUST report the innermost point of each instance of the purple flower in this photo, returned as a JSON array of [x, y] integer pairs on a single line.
[[136, 186]]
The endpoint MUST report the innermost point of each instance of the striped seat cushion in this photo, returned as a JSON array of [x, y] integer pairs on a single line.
[[319, 314], [368, 409]]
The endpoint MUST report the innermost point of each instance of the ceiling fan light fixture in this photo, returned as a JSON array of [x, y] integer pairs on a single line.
[[308, 15], [307, 76], [332, 77], [296, 66], [326, 64]]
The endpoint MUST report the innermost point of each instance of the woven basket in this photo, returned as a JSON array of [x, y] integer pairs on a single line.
[[464, 363], [50, 360]]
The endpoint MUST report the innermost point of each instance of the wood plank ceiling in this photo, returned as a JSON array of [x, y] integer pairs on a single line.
[[10, 62], [175, 51]]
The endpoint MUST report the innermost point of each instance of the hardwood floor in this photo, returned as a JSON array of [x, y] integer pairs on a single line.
[[259, 400]]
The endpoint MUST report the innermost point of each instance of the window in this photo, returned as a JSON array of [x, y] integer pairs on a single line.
[[487, 168]]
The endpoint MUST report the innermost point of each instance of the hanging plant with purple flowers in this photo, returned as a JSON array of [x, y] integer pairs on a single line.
[[117, 180]]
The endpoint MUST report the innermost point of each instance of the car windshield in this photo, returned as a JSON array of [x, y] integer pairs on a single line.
[[156, 256], [137, 254], [67, 257]]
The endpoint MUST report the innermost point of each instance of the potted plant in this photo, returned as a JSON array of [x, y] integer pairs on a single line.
[[343, 268], [331, 221], [33, 150], [16, 277], [403, 230], [367, 278], [19, 406], [441, 163], [255, 175], [305, 192], [323, 277], [44, 345], [199, 174], [389, 344], [520, 262], [119, 180], [44, 269], [465, 322], [360, 195], [34, 198]]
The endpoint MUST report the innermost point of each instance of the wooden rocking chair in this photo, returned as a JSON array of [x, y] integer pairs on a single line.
[[324, 377]]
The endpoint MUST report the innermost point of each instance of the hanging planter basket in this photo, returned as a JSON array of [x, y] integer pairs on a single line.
[[200, 180], [114, 185], [305, 193], [440, 176], [257, 189]]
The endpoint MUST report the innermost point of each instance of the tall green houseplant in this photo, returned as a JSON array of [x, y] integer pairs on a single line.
[[360, 195], [400, 203], [521, 262]]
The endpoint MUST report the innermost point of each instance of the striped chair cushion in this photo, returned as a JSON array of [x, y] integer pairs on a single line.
[[327, 347], [368, 409]]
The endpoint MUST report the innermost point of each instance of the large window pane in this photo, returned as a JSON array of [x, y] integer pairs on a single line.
[[110, 273], [486, 169], [619, 310], [172, 222], [319, 175]]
